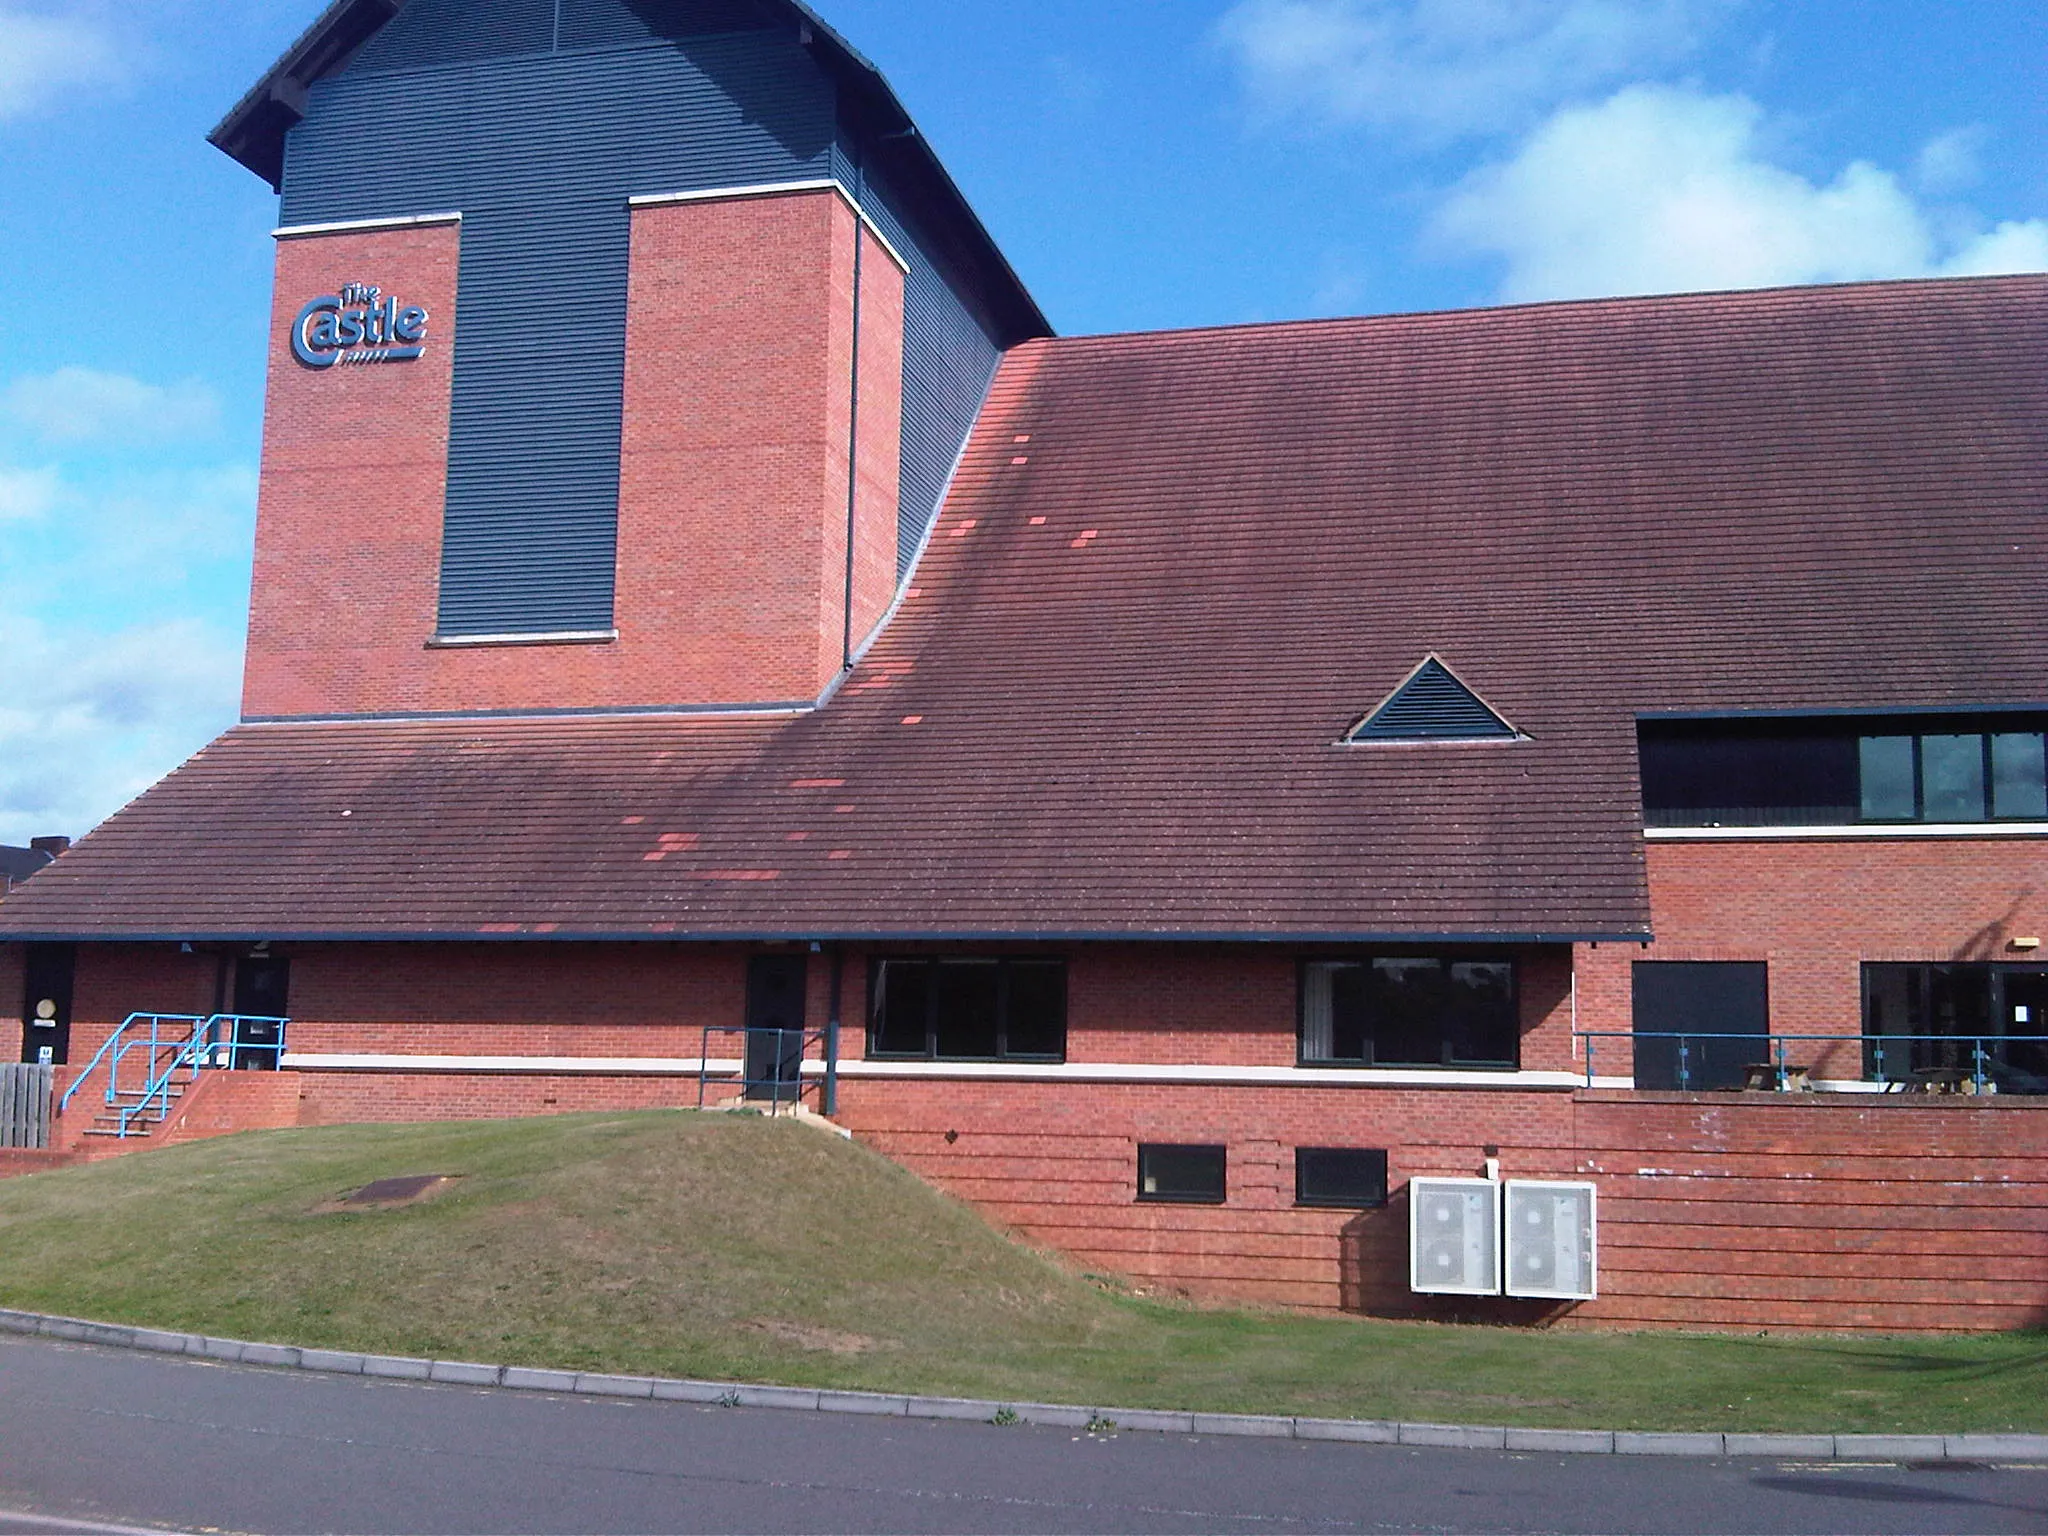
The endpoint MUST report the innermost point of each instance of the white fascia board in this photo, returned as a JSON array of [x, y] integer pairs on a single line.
[[1947, 829], [363, 226], [779, 189]]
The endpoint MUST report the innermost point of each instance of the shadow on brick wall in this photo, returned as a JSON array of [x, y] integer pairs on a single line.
[[1372, 1268]]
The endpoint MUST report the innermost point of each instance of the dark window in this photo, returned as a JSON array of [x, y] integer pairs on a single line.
[[1187, 1175], [1925, 1023], [1409, 1011], [1353, 1178], [1680, 1006], [968, 1009], [1761, 773]]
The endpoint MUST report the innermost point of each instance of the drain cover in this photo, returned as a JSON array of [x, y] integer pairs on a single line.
[[395, 1191]]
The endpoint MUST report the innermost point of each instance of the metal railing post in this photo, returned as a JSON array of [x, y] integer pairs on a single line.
[[1685, 1064]]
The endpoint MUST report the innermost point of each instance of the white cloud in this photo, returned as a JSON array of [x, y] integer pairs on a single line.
[[82, 405], [87, 722], [1442, 68], [1660, 190], [27, 494], [1951, 162], [41, 55]]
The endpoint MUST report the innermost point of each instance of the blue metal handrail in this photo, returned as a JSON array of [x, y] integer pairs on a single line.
[[215, 1043], [172, 1043], [1873, 1048], [114, 1046]]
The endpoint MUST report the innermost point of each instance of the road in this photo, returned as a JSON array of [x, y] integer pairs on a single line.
[[108, 1439]]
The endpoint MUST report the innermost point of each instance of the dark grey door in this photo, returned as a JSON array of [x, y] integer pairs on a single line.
[[46, 1003], [775, 1026], [1699, 999], [262, 997]]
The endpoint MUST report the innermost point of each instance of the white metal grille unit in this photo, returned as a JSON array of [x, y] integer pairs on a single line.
[[1454, 1236], [1552, 1240]]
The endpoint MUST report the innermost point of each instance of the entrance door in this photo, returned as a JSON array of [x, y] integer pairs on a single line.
[[2026, 1013], [775, 1027], [262, 992], [1700, 998], [46, 1003]]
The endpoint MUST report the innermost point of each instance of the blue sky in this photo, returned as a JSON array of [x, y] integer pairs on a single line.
[[1146, 163]]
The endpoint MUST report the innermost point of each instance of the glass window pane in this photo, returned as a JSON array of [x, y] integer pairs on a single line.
[[1887, 778], [1351, 1177], [2019, 777], [1190, 1174], [1952, 778], [1480, 1028], [1037, 1023], [965, 1026], [1318, 1020], [1350, 1023], [902, 1007], [1409, 999]]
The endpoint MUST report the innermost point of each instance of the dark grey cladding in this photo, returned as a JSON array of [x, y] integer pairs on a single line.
[[537, 122]]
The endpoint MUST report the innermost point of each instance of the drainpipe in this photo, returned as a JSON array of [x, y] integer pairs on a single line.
[[831, 1098]]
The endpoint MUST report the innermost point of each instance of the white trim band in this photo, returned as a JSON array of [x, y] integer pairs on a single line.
[[364, 226], [1228, 1076], [966, 1071], [552, 637], [778, 189], [1949, 829], [553, 1066]]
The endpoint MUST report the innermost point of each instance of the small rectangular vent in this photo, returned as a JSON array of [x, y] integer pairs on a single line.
[[1454, 1237], [1552, 1240]]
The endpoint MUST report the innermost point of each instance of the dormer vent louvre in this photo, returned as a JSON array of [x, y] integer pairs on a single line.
[[1433, 705]]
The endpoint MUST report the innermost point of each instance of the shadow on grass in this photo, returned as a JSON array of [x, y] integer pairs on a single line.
[[1901, 1360]]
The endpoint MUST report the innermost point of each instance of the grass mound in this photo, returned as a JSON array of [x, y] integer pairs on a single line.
[[738, 1248]]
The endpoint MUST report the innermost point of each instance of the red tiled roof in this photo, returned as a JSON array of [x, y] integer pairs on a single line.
[[1174, 568]]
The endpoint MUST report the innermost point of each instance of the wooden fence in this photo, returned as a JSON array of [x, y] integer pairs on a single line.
[[25, 1104]]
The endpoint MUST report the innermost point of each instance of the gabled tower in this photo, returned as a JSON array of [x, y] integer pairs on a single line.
[[620, 351]]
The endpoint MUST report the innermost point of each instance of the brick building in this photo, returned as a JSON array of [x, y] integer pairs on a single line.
[[1183, 787]]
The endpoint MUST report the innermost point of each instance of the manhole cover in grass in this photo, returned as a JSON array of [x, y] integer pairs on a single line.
[[397, 1191]]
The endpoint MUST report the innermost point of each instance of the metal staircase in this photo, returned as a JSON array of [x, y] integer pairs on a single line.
[[153, 1058]]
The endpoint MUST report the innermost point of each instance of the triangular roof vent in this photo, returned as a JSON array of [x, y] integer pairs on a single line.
[[1432, 705]]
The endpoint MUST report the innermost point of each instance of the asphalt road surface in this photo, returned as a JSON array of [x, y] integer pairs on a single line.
[[96, 1440]]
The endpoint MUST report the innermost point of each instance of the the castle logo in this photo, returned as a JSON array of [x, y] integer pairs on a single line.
[[358, 325]]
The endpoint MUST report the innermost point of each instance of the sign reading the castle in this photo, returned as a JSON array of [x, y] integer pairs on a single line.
[[358, 325]]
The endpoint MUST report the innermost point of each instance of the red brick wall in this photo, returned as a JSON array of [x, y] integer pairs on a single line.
[[355, 466], [1815, 911], [733, 477], [1748, 1211]]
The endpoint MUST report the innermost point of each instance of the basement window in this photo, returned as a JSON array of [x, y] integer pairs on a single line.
[[1342, 1178], [1410, 1011], [1181, 1175], [966, 1009]]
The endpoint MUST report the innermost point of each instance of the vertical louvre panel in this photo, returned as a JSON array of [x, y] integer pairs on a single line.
[[540, 154]]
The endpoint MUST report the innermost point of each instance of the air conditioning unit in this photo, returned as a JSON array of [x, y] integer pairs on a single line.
[[1552, 1240], [1454, 1237]]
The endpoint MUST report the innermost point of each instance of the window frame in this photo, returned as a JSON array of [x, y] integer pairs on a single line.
[[1222, 1151], [1666, 775], [1446, 957], [1004, 965], [1324, 1203]]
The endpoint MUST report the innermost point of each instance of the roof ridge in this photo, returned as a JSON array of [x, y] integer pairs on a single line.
[[1702, 296]]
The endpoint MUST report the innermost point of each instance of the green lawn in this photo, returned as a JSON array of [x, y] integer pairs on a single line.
[[730, 1247]]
